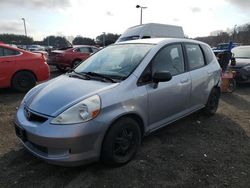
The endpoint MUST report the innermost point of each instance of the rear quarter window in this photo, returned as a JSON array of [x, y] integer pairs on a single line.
[[209, 55], [195, 56], [10, 52]]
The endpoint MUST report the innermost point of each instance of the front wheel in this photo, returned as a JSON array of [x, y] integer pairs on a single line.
[[121, 142]]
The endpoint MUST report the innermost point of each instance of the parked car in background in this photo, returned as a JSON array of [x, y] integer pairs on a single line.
[[152, 30], [70, 57], [21, 69], [35, 48], [127, 90], [221, 47], [242, 63]]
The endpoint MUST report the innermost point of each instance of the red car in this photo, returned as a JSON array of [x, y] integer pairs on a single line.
[[70, 57], [21, 69]]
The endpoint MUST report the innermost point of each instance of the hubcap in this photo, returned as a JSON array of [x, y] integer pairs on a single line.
[[24, 82]]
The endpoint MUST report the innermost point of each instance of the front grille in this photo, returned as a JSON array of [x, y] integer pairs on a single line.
[[34, 117]]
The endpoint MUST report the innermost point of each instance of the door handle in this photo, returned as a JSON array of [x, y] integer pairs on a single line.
[[6, 61], [184, 80]]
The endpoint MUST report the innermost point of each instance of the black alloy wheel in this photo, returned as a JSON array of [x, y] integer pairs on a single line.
[[121, 142]]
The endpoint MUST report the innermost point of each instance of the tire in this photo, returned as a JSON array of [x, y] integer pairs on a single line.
[[23, 81], [61, 68], [232, 86], [121, 142], [75, 63], [213, 102]]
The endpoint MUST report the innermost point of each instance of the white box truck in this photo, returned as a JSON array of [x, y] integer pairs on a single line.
[[152, 30]]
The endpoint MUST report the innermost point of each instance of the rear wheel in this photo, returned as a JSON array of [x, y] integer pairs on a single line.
[[23, 81], [121, 142], [213, 102]]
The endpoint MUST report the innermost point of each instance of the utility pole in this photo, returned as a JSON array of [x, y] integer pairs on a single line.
[[24, 26], [141, 7], [103, 39]]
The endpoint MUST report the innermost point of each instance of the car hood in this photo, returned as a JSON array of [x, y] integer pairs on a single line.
[[241, 62], [56, 95]]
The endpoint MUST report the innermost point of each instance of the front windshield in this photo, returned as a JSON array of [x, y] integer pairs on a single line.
[[222, 46], [116, 61], [241, 52]]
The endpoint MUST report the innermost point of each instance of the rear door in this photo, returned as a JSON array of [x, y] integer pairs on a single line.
[[200, 75], [169, 100]]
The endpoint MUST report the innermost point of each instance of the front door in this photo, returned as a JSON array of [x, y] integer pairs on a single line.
[[169, 100]]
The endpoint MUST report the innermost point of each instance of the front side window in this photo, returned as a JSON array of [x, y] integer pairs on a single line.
[[170, 58], [195, 56], [117, 61], [84, 50], [94, 50]]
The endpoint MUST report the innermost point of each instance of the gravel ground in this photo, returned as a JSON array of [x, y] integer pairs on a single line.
[[194, 152]]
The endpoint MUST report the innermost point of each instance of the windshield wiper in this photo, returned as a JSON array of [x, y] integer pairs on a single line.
[[79, 75], [99, 75]]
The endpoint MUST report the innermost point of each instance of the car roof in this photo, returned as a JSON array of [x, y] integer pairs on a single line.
[[158, 41]]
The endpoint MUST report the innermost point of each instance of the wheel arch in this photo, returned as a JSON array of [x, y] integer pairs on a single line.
[[23, 70], [133, 116]]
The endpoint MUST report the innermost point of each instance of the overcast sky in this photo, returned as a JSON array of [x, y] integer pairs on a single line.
[[90, 18]]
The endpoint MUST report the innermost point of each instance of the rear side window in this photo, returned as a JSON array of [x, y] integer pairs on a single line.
[[170, 58], [195, 56], [9, 52], [209, 55]]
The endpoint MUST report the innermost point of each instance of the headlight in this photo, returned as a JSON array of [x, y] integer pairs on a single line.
[[80, 112]]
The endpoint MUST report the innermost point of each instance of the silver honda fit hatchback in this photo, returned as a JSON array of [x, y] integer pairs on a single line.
[[103, 108]]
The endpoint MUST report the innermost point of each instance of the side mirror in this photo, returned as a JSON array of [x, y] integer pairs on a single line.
[[162, 76]]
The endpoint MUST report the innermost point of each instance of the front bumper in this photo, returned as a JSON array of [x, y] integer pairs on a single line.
[[66, 145]]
